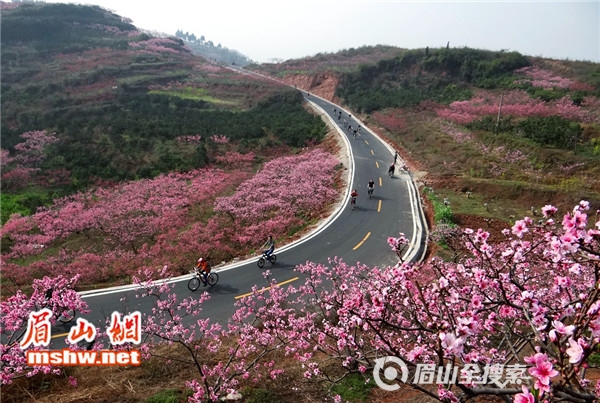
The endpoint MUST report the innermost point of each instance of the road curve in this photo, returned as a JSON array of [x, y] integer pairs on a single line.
[[357, 235]]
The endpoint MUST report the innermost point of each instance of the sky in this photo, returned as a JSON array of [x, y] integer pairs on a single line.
[[270, 30]]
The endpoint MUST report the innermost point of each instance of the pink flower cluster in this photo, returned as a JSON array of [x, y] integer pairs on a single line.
[[31, 151], [234, 159], [539, 77], [189, 139], [15, 312], [157, 45], [542, 371], [520, 291], [516, 103], [297, 186], [458, 135], [220, 139], [22, 168]]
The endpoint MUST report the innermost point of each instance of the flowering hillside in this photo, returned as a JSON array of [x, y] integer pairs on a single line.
[[110, 233]]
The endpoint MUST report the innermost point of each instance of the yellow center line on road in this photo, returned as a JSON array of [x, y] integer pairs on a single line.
[[363, 241], [372, 153], [376, 164], [54, 336], [366, 142], [380, 182], [379, 206], [268, 288]]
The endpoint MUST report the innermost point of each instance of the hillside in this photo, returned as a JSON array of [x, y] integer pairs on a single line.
[[497, 134], [110, 103]]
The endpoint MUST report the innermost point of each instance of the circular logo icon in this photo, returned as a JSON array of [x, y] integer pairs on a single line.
[[390, 373]]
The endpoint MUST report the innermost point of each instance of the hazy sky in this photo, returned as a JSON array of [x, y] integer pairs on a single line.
[[288, 29]]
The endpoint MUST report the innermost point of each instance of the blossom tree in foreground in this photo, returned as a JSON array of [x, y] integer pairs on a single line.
[[528, 305], [222, 356], [56, 294], [518, 320]]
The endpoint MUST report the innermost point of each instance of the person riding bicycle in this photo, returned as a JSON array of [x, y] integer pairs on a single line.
[[371, 186], [203, 268], [353, 197], [270, 245], [391, 170]]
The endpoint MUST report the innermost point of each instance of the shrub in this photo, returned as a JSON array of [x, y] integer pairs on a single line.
[[553, 131]]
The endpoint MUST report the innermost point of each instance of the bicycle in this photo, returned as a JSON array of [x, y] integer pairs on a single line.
[[370, 192], [210, 279], [352, 202], [264, 258]]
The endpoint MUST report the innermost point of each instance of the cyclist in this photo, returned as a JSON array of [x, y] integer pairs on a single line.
[[353, 197], [203, 268], [391, 170], [371, 187], [270, 245]]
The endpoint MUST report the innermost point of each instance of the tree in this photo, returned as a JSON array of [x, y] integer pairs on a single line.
[[15, 313], [21, 169], [531, 299]]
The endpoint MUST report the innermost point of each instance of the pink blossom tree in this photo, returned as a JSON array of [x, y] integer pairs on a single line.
[[31, 152], [512, 304], [542, 78], [23, 168], [205, 342], [296, 186], [531, 300], [58, 295], [120, 225]]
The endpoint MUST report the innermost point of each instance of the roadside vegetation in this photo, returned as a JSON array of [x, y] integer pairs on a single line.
[[125, 157], [495, 133]]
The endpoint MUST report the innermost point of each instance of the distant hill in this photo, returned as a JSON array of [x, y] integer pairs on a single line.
[[512, 129], [207, 49]]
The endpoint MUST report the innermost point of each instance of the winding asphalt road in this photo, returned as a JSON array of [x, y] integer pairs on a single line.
[[357, 235]]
